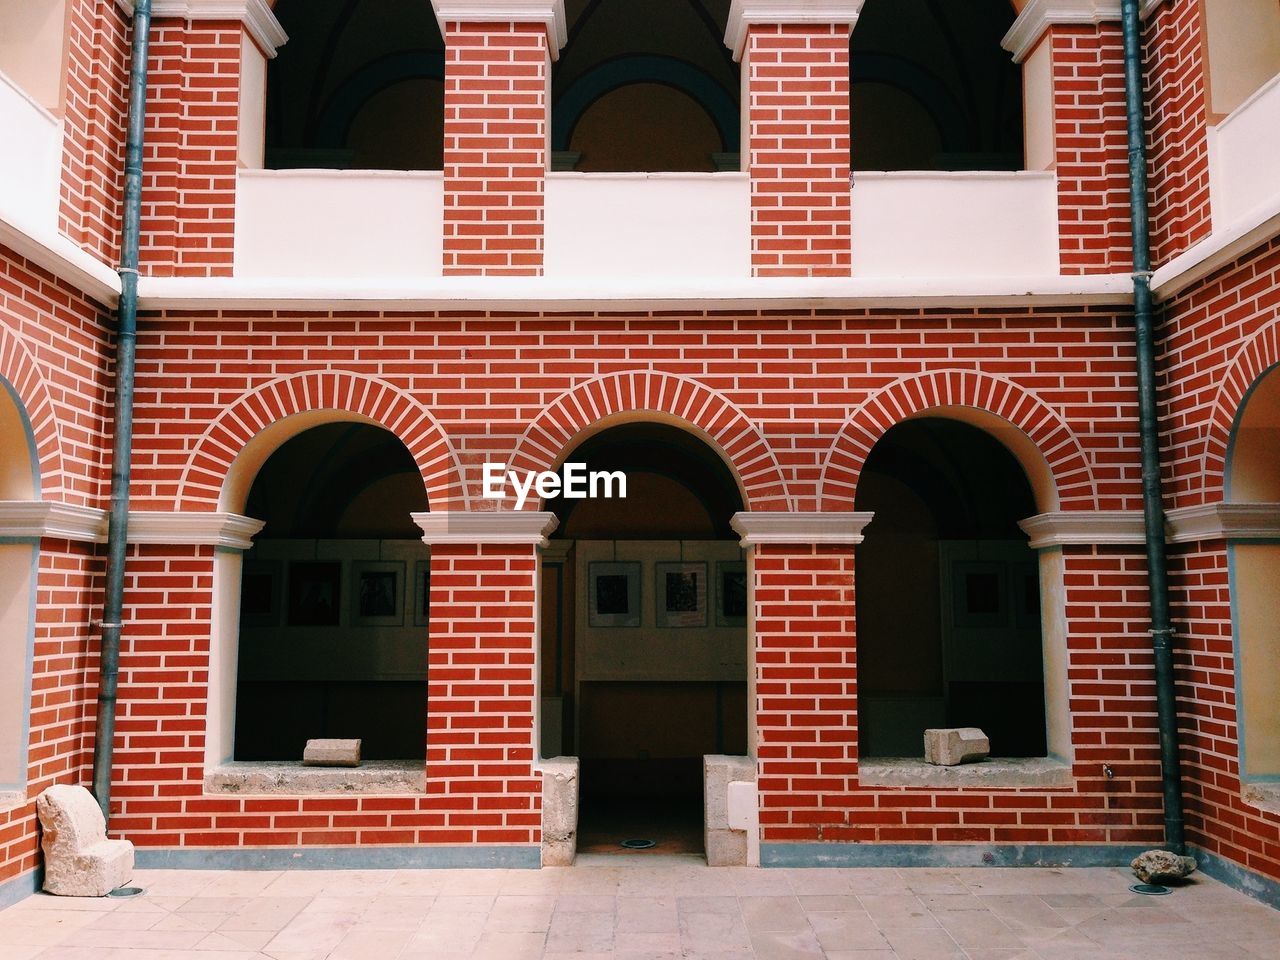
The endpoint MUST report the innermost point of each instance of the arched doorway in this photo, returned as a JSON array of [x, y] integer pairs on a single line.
[[333, 615], [948, 604], [644, 633]]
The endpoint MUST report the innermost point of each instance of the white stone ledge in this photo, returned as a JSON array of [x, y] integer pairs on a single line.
[[1084, 528], [12, 800], [499, 526], [995, 773], [286, 778], [549, 13], [256, 16], [1219, 249], [744, 13], [1039, 15], [51, 518], [1263, 794], [1224, 521], [836, 527], [61, 257]]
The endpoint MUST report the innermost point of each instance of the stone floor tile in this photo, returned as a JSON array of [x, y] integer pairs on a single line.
[[520, 914], [896, 908], [647, 942], [227, 905], [397, 912], [1000, 953], [861, 955], [450, 905], [971, 929], [713, 931], [921, 880], [688, 905], [207, 922], [819, 881], [586, 903], [826, 903], [270, 913], [494, 945], [367, 942], [242, 939], [923, 945], [847, 931], [951, 902], [784, 945], [580, 932], [137, 939], [773, 914]]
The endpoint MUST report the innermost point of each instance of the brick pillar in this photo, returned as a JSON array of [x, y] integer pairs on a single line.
[[804, 671], [193, 137], [795, 67], [482, 690], [496, 134]]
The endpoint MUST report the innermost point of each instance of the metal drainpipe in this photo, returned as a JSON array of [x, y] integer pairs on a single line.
[[1152, 504], [122, 451]]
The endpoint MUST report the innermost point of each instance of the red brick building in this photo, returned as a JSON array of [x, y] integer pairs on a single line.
[[880, 428]]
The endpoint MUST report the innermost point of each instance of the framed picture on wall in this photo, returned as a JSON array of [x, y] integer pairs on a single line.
[[377, 593], [682, 594], [261, 589], [980, 594], [613, 594], [731, 593], [421, 593], [315, 593]]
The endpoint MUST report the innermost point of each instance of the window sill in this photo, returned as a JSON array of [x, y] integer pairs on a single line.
[[289, 778], [11, 800], [996, 773], [1265, 795]]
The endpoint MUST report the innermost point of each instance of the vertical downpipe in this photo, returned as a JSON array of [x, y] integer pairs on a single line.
[[122, 450], [1149, 427]]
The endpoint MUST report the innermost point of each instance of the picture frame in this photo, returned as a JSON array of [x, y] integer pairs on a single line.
[[980, 594], [731, 593], [421, 593], [613, 593], [681, 594], [377, 593], [315, 593], [261, 593]]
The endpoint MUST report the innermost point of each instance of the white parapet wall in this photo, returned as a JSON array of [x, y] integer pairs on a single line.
[[30, 162], [661, 225], [1243, 170], [955, 224], [354, 224]]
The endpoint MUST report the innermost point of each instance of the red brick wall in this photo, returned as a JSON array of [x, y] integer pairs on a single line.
[[95, 113], [495, 147], [1091, 150], [798, 149], [1177, 121]]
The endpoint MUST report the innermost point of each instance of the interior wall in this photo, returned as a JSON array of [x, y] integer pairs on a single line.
[[17, 613], [1243, 38], [32, 40], [1252, 476], [1255, 571]]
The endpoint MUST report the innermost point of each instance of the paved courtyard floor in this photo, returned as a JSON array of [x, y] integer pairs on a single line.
[[656, 908]]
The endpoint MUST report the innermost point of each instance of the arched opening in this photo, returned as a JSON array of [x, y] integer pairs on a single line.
[[333, 600], [19, 481], [948, 598], [359, 85], [1253, 477], [932, 89], [645, 87], [644, 633]]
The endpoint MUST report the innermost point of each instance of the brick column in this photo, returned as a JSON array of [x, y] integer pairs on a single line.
[[804, 671], [482, 675], [496, 131], [1074, 106], [198, 50], [795, 108]]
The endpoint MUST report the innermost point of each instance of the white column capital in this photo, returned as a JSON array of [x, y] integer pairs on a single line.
[[499, 526], [38, 519], [549, 13], [844, 527], [1089, 528], [744, 13], [1224, 521], [256, 15], [1039, 15]]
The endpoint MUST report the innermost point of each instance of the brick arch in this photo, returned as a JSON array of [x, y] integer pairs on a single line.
[[1255, 357], [1064, 461], [215, 452], [19, 369], [738, 440]]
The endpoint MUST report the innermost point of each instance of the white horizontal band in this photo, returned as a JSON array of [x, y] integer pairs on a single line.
[[499, 526], [1084, 528], [744, 13], [843, 527], [256, 16], [550, 13], [39, 519], [1039, 15], [1224, 521]]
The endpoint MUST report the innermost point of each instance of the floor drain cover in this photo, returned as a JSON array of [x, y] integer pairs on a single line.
[[639, 844], [1150, 889], [122, 893]]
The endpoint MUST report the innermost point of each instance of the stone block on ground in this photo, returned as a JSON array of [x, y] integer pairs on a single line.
[[79, 860], [1161, 866], [725, 845], [950, 746], [332, 753], [559, 811]]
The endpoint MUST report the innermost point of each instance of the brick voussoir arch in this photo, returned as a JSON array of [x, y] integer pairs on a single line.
[[1065, 458], [1255, 357], [211, 460], [20, 370], [547, 439]]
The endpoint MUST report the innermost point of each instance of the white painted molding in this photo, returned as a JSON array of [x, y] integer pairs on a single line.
[[61, 257], [1039, 15], [550, 13], [842, 527], [1224, 521], [1220, 248], [499, 526], [51, 518], [1084, 528], [229, 530], [744, 13], [256, 16], [126, 6]]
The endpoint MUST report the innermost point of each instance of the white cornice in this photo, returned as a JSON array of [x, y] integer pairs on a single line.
[[549, 13], [1224, 521], [1084, 528], [499, 526], [126, 6], [62, 258], [229, 530], [50, 518], [1038, 15], [744, 13], [256, 16], [1221, 248], [844, 527]]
